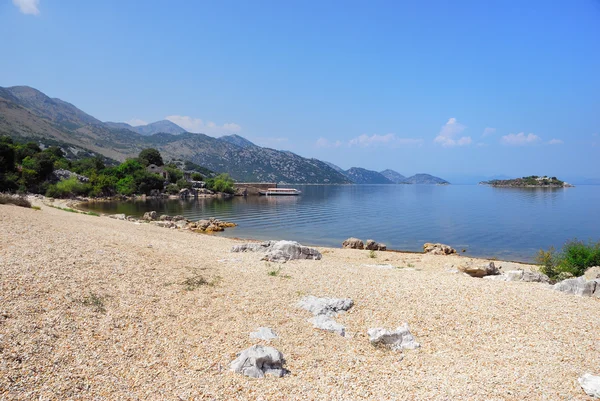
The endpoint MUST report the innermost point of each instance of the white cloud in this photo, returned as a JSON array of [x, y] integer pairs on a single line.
[[489, 131], [481, 145], [448, 136], [555, 142], [325, 143], [520, 139], [28, 6], [390, 140], [136, 122], [197, 125]]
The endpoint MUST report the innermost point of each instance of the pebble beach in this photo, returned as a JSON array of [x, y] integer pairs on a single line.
[[93, 308]]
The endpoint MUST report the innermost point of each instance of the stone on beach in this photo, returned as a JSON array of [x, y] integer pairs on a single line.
[[353, 243], [264, 333], [375, 246], [327, 323], [325, 306], [399, 339], [579, 286], [253, 247], [521, 275], [590, 384], [479, 270], [149, 216], [438, 249], [257, 361], [592, 273], [279, 251], [120, 216]]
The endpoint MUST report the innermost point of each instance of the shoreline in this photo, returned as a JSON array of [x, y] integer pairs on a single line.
[[101, 308]]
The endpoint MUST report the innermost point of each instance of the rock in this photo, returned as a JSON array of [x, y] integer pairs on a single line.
[[257, 361], [181, 224], [118, 216], [165, 217], [282, 251], [375, 246], [61, 174], [479, 270], [521, 275], [592, 273], [264, 333], [150, 216], [438, 249], [590, 384], [213, 228], [178, 218], [399, 339], [253, 246], [579, 286], [353, 243], [325, 306], [325, 322]]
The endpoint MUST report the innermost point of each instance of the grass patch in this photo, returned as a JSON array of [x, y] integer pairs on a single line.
[[573, 259], [410, 265], [95, 302], [197, 281], [92, 214], [372, 254], [276, 272], [6, 199], [36, 208]]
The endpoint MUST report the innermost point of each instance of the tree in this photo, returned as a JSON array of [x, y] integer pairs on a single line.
[[197, 177], [150, 156]]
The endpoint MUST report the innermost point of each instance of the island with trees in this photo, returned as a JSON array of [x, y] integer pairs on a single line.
[[532, 181]]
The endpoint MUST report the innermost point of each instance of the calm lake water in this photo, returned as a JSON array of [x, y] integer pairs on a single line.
[[506, 223]]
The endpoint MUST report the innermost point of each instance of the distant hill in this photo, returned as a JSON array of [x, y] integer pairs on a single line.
[[237, 140], [393, 176], [363, 176], [425, 179], [162, 126], [532, 181], [26, 113], [336, 168]]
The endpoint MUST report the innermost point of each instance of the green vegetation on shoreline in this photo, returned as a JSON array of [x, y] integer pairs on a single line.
[[572, 260], [26, 168], [532, 181]]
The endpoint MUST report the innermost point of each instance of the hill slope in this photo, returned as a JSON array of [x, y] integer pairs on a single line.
[[393, 176], [28, 113], [363, 176], [425, 179], [162, 126]]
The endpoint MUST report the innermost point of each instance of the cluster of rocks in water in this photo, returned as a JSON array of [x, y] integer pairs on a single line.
[[371, 245], [260, 360], [279, 251], [180, 222], [438, 249]]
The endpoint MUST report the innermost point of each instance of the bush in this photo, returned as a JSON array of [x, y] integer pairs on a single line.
[[574, 259], [221, 183], [150, 156], [68, 188], [197, 177], [183, 184], [172, 189]]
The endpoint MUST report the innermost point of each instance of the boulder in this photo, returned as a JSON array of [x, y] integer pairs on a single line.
[[282, 251], [61, 174], [263, 333], [590, 384], [251, 246], [399, 339], [521, 275], [375, 246], [164, 217], [327, 323], [178, 218], [438, 249], [479, 270], [257, 361], [579, 286], [592, 273], [325, 306], [150, 216], [118, 216], [353, 243]]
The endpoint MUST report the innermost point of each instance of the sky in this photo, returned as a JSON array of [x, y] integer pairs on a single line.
[[456, 89]]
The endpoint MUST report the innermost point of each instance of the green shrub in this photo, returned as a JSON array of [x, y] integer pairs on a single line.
[[197, 177], [172, 189], [183, 184], [573, 260], [68, 188], [221, 183]]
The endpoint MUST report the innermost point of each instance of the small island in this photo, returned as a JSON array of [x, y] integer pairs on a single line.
[[532, 181]]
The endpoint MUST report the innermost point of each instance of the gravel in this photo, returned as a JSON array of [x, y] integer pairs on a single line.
[[89, 310]]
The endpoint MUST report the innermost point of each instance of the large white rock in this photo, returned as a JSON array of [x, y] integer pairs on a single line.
[[520, 275], [325, 322], [325, 306], [279, 251], [590, 384], [579, 286], [264, 333], [257, 361], [251, 246], [399, 339], [481, 270]]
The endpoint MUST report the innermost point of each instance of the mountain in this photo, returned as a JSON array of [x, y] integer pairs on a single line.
[[336, 168], [26, 113], [393, 176], [425, 179], [363, 176], [237, 140], [162, 126]]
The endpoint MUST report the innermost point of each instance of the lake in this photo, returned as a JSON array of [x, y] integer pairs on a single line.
[[506, 223]]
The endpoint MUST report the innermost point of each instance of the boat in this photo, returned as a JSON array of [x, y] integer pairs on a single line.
[[280, 192]]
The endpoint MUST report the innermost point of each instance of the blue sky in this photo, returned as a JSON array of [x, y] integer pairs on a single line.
[[456, 89]]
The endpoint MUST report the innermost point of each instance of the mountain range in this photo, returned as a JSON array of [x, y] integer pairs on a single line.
[[28, 114]]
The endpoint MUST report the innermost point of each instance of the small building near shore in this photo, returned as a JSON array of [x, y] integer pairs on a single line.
[[160, 170]]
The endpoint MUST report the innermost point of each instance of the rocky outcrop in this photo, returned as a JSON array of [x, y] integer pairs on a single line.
[[120, 216], [258, 361], [353, 243], [279, 251], [264, 333], [398, 339], [375, 246], [150, 216], [210, 225], [324, 309], [521, 275], [61, 174], [480, 270], [579, 286], [590, 384], [438, 249], [592, 273]]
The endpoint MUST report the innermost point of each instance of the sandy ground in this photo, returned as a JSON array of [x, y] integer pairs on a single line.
[[93, 308]]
